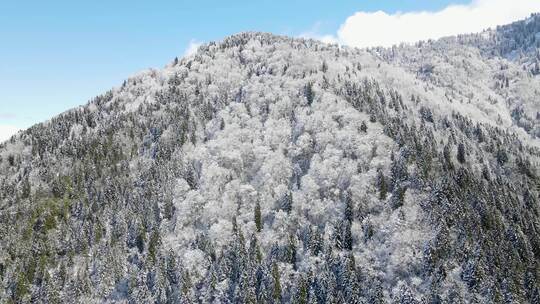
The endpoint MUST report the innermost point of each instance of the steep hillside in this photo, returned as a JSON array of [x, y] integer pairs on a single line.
[[265, 169]]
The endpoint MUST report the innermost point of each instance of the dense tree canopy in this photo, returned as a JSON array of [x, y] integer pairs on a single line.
[[264, 169]]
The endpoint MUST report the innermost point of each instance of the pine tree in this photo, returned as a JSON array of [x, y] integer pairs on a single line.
[[141, 237], [349, 208], [210, 290], [276, 293], [405, 296], [347, 236], [308, 93], [257, 216], [234, 225], [324, 66], [398, 196], [398, 171], [168, 210], [461, 153], [26, 189], [291, 251], [315, 241], [363, 127], [302, 293], [22, 288], [171, 268], [286, 202], [536, 69], [449, 165], [186, 283], [381, 182], [375, 292], [344, 238], [254, 253], [153, 245], [352, 284], [338, 235], [502, 156]]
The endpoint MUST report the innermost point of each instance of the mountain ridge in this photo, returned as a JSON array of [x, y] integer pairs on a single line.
[[281, 170], [531, 22]]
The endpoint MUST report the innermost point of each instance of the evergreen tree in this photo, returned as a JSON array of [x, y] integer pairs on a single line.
[[398, 170], [286, 202], [276, 293], [315, 241], [338, 235], [186, 284], [302, 292], [141, 237], [405, 296], [347, 240], [381, 183], [398, 196], [254, 253], [448, 164], [169, 209], [502, 156], [257, 216], [347, 236], [363, 127], [291, 251], [349, 207], [536, 69], [308, 93], [324, 67], [461, 153]]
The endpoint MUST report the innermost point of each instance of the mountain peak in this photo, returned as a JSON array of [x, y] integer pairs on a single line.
[[272, 169]]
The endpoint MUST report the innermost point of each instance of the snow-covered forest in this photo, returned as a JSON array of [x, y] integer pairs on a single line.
[[267, 169]]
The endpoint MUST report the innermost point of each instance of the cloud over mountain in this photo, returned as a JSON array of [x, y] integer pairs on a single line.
[[366, 29]]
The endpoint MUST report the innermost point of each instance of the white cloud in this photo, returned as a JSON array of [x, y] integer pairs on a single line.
[[366, 29], [313, 33], [192, 47], [6, 131]]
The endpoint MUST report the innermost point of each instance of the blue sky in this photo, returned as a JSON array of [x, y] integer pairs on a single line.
[[55, 55]]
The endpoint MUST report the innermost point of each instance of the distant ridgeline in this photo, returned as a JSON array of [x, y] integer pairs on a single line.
[[266, 169]]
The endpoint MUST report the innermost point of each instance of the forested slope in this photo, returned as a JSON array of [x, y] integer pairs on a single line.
[[266, 169]]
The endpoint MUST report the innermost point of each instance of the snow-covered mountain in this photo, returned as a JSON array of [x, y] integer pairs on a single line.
[[266, 169]]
